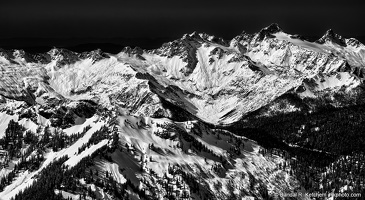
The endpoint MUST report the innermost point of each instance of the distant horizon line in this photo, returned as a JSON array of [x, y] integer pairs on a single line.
[[159, 37], [107, 44]]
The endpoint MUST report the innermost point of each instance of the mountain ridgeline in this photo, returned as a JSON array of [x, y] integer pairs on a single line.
[[200, 117]]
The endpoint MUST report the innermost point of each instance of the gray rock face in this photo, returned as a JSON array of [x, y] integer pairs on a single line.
[[174, 104], [215, 80]]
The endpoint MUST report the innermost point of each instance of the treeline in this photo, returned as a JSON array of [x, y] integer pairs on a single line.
[[13, 139], [57, 176], [328, 151], [323, 172], [194, 185], [334, 130], [97, 136], [30, 148], [48, 180], [188, 141]]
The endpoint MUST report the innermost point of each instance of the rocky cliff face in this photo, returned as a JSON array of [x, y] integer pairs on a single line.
[[216, 80], [151, 98]]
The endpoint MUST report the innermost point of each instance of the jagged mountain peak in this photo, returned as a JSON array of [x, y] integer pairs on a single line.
[[19, 52], [94, 55], [272, 28], [189, 43], [354, 42], [268, 31], [17, 56], [130, 50], [194, 35], [191, 35], [25, 56], [63, 56], [7, 54], [203, 37], [55, 51], [95, 52], [135, 52], [148, 116], [331, 36], [201, 59], [241, 40], [245, 34]]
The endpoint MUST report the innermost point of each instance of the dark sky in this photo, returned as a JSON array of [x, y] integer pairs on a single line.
[[171, 18]]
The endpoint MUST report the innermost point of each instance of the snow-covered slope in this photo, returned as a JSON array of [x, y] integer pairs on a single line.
[[215, 80], [145, 118]]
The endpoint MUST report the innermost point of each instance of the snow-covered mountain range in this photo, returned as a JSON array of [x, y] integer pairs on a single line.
[[178, 99]]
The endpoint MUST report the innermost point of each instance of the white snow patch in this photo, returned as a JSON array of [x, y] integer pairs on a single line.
[[302, 43], [67, 195], [4, 121], [113, 170], [28, 124], [88, 151], [79, 128]]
